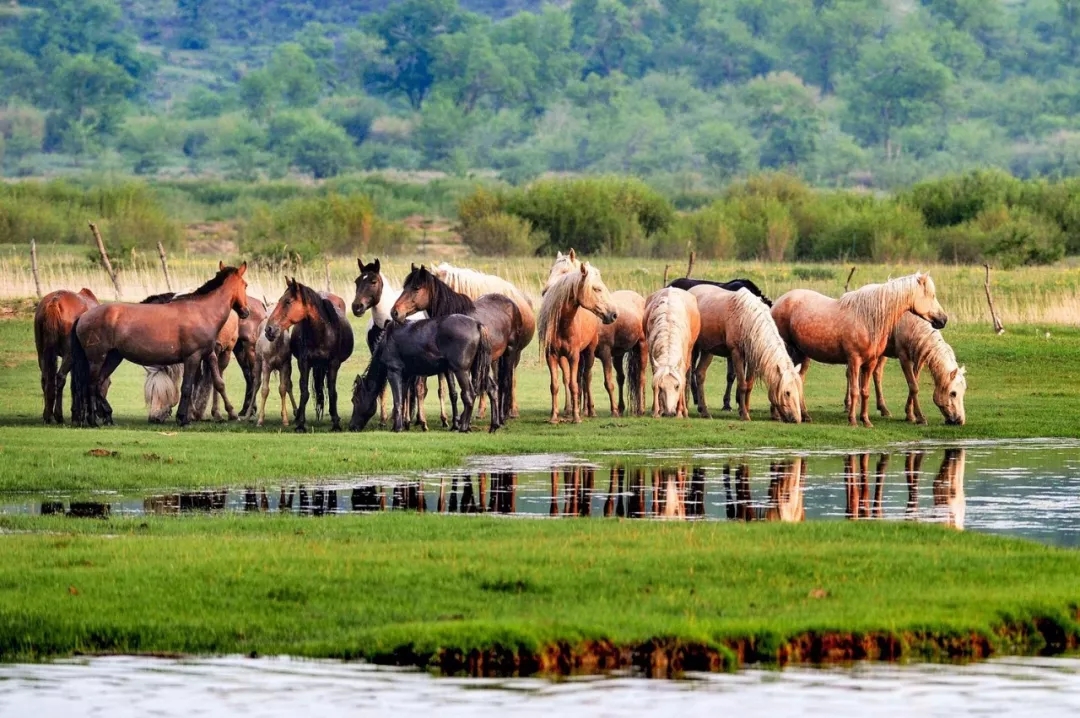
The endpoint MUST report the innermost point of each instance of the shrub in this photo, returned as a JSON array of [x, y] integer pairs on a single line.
[[958, 199], [708, 232], [332, 224], [482, 203], [500, 235], [1007, 236]]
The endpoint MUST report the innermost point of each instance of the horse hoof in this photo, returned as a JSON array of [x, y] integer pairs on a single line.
[[868, 424], [704, 414], [726, 407], [336, 427], [554, 420], [300, 429], [886, 414], [921, 420], [513, 415], [423, 426]]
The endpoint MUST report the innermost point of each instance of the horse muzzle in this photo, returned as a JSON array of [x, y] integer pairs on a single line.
[[358, 309], [938, 321], [610, 317], [272, 332], [955, 421], [243, 313], [397, 315]]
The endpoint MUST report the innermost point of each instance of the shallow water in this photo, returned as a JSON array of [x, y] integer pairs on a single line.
[[119, 687], [1021, 488]]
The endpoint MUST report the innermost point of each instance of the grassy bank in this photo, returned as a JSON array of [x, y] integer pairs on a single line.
[[498, 596]]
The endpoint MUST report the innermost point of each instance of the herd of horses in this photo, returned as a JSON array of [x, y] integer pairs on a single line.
[[469, 329]]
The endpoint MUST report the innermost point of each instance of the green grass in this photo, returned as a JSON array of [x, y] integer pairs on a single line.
[[405, 588], [1020, 385]]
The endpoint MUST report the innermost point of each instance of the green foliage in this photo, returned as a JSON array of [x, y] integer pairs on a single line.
[[1005, 237], [500, 235]]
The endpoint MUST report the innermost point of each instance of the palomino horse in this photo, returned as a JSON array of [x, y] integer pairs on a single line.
[[55, 315], [916, 344], [422, 291], [182, 331], [568, 325], [854, 329], [672, 325], [738, 325], [374, 292], [621, 346], [321, 341], [244, 350], [455, 343], [476, 284], [733, 285], [785, 502]]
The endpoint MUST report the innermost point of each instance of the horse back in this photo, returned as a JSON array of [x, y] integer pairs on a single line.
[[816, 325], [713, 305], [502, 318]]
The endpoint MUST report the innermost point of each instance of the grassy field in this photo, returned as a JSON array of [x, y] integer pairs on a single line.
[[500, 596]]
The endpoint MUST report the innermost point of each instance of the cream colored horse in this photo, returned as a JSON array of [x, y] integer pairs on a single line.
[[853, 330], [739, 325], [672, 325], [568, 325]]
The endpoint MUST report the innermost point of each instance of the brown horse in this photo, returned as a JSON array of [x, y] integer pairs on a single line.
[[182, 331], [424, 292], [56, 314], [244, 350], [853, 330], [321, 342], [574, 305]]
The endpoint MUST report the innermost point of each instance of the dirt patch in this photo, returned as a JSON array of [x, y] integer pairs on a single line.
[[217, 239]]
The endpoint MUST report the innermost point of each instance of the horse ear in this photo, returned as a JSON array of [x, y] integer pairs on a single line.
[[952, 375], [414, 266], [360, 263], [378, 266], [584, 269], [798, 367], [242, 269], [220, 265], [963, 370], [558, 256], [572, 255]]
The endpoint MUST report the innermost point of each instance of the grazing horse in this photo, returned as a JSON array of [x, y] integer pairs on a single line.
[[570, 315], [422, 291], [271, 356], [738, 326], [853, 330], [55, 315], [916, 344], [733, 285], [321, 341], [476, 284], [373, 292], [184, 330], [455, 343], [621, 346], [672, 325], [248, 336]]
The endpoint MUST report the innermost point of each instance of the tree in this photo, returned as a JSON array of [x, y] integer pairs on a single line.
[[295, 74], [606, 34], [88, 102], [826, 38], [321, 148], [785, 118], [726, 149], [193, 19]]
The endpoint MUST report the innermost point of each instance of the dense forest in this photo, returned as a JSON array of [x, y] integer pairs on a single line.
[[688, 94]]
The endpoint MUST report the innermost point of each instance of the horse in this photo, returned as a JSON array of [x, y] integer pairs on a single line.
[[374, 292], [732, 285], [249, 332], [572, 310], [53, 319], [422, 291], [739, 326], [321, 341], [672, 325], [455, 343], [271, 356], [621, 346], [853, 330], [916, 344], [183, 331], [476, 284], [949, 500]]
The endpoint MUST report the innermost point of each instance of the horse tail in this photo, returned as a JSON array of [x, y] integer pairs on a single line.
[[480, 370], [633, 373], [506, 384], [82, 408], [160, 393], [203, 390]]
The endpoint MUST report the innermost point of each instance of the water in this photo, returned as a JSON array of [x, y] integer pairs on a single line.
[[119, 687]]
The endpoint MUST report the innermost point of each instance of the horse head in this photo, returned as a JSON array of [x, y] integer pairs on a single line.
[[237, 287], [291, 309], [669, 386], [415, 294], [926, 304], [365, 397], [563, 264], [785, 393], [594, 296], [369, 287], [949, 396]]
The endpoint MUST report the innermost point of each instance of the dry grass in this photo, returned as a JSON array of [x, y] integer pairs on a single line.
[[1031, 295]]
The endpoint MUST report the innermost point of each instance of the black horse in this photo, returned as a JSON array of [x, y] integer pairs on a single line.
[[732, 286], [456, 343]]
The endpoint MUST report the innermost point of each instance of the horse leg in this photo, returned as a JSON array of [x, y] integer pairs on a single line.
[[452, 391], [620, 379], [854, 369], [606, 362], [914, 411], [513, 388], [805, 367], [331, 390], [730, 380], [264, 391], [575, 388], [468, 399], [187, 388], [553, 371], [305, 392], [588, 358], [742, 395], [112, 360], [865, 370], [58, 395], [398, 390], [47, 366], [879, 372], [442, 401], [700, 373], [420, 392], [319, 379], [219, 387], [481, 400]]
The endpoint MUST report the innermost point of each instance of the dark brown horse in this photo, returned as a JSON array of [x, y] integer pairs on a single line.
[[244, 350], [182, 331], [56, 314], [321, 342], [424, 292]]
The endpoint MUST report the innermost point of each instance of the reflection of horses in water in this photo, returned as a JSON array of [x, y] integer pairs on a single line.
[[785, 501], [948, 488]]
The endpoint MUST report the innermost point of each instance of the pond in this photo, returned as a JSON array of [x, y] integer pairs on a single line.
[[1020, 488], [271, 687]]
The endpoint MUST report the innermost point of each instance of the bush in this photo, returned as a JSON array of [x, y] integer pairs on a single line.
[[1008, 237], [482, 203], [499, 235], [331, 224], [958, 199], [708, 231]]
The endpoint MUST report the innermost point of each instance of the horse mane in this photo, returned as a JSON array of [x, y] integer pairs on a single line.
[[476, 284], [666, 329], [927, 345], [214, 283], [444, 300], [556, 297], [327, 311], [163, 298], [761, 341], [880, 306], [732, 285], [572, 263]]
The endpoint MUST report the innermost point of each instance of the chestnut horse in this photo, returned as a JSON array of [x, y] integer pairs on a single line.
[[853, 330], [182, 331], [56, 314], [672, 325], [569, 328], [321, 342], [422, 291]]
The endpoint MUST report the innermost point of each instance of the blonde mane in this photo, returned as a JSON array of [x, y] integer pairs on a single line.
[[667, 331], [562, 292], [760, 339], [565, 263], [928, 346], [476, 284], [880, 306]]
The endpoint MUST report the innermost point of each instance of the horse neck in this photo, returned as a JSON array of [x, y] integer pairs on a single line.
[[445, 301], [380, 313], [885, 311], [217, 309], [938, 355]]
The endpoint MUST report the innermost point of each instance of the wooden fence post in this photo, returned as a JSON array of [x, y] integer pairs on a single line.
[[164, 265], [690, 264], [33, 267], [998, 327], [326, 266], [105, 259], [849, 276], [666, 268]]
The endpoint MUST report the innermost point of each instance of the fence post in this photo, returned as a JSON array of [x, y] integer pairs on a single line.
[[666, 268], [34, 268], [326, 266], [998, 327], [690, 265], [849, 276], [105, 259], [164, 266]]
